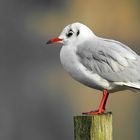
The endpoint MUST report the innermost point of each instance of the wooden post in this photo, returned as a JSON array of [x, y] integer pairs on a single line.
[[93, 127]]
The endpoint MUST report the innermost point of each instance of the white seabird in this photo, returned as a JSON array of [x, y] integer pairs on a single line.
[[99, 63]]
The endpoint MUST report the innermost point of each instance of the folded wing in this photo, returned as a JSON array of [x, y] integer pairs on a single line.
[[111, 60]]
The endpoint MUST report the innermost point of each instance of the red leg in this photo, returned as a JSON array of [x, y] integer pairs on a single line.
[[102, 105]]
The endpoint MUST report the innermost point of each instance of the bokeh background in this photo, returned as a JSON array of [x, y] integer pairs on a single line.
[[38, 99]]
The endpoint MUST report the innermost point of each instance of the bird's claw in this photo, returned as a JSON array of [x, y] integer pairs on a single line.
[[94, 112]]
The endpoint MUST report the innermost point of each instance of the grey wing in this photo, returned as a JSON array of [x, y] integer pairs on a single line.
[[112, 60]]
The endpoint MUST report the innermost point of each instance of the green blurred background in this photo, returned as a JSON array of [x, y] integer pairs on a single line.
[[38, 99]]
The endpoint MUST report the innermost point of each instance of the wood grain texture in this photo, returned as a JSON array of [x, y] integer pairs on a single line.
[[93, 127]]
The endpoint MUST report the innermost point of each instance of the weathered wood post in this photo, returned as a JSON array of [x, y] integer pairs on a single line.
[[93, 127]]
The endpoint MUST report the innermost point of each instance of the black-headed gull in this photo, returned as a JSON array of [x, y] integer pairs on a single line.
[[99, 63]]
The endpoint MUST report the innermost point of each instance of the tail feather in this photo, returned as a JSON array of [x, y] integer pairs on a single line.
[[135, 86], [135, 90]]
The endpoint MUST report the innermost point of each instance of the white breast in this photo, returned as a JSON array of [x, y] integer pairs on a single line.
[[71, 64]]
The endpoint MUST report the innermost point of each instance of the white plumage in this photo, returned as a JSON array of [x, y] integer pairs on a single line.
[[96, 62]]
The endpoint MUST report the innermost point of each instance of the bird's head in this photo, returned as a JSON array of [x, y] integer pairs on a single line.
[[73, 33]]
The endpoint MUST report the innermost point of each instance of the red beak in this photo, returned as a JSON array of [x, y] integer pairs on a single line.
[[54, 40]]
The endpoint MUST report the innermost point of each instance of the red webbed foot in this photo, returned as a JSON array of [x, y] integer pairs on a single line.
[[94, 112], [102, 105]]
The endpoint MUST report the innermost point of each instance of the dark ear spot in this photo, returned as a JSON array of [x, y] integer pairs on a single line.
[[78, 32]]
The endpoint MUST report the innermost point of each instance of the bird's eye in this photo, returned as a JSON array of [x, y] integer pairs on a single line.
[[70, 34]]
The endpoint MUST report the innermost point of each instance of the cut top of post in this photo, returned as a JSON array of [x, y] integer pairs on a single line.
[[93, 127]]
